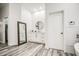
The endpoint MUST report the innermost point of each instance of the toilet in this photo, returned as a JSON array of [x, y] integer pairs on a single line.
[[76, 46]]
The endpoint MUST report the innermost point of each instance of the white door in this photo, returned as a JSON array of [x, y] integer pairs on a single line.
[[55, 31]]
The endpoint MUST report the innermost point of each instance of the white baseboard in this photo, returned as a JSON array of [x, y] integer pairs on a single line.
[[36, 41]]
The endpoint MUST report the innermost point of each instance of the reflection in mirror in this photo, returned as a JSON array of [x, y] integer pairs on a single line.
[[39, 25], [21, 33]]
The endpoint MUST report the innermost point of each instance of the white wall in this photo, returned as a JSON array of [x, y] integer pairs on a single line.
[[5, 10], [71, 12], [14, 16]]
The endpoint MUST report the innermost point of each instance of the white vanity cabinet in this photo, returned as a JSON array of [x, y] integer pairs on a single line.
[[37, 37]]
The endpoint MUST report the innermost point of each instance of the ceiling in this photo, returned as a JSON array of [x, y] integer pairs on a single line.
[[33, 7]]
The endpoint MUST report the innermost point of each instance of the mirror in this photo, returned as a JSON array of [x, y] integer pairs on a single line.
[[21, 33], [39, 25]]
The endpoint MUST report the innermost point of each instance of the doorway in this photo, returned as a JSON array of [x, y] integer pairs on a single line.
[[6, 34], [55, 30], [3, 35]]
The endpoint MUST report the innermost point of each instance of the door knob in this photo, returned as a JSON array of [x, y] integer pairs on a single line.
[[61, 32]]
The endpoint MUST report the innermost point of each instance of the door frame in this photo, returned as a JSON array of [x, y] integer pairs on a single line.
[[61, 11], [19, 33]]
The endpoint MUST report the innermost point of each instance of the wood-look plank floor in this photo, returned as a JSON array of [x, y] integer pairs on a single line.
[[3, 46], [32, 49]]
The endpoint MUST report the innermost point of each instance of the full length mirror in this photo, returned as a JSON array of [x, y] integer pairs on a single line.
[[22, 37]]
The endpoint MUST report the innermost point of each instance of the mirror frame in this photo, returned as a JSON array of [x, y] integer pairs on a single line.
[[18, 30]]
